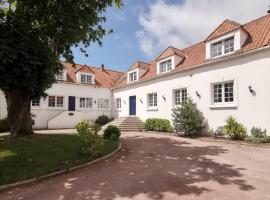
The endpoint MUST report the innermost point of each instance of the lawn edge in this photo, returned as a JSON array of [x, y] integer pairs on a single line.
[[60, 172]]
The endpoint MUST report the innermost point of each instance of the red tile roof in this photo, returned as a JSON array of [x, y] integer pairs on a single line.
[[259, 36], [103, 78]]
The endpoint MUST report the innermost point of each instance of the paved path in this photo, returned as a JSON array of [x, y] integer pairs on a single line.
[[162, 167]]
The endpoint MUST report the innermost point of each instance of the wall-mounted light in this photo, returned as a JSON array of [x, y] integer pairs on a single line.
[[124, 102], [163, 97], [141, 100], [95, 101], [198, 94], [251, 90]]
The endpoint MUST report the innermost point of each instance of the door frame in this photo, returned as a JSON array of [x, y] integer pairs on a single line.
[[69, 106], [135, 104]]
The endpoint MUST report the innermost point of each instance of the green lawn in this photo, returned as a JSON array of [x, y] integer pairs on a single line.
[[33, 156]]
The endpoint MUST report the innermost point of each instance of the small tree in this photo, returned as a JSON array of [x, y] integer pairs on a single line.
[[187, 119]]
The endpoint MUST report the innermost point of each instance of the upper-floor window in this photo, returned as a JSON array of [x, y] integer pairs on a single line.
[[223, 92], [179, 95], [222, 47], [86, 102], [36, 102], [56, 101], [165, 66], [85, 78], [133, 76], [60, 75], [152, 100], [103, 103], [118, 103]]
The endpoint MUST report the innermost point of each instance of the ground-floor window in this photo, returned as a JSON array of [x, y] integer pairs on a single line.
[[179, 95], [36, 102], [56, 101], [118, 103], [223, 92], [86, 102], [152, 100], [103, 103]]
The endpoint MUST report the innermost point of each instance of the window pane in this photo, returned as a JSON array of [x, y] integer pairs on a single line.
[[36, 102], [228, 92], [177, 97], [89, 102], [118, 103], [60, 101], [82, 102], [229, 45], [217, 93], [216, 49], [51, 101], [155, 99], [184, 95], [60, 76]]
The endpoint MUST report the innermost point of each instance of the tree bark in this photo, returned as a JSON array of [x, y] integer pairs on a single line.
[[19, 113]]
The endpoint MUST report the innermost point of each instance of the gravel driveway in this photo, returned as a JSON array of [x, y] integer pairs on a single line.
[[163, 167]]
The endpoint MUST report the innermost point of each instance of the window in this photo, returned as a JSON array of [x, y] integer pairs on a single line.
[[179, 96], [60, 75], [86, 102], [165, 66], [118, 103], [56, 101], [86, 78], [133, 76], [36, 103], [223, 92], [152, 100], [103, 103], [223, 47]]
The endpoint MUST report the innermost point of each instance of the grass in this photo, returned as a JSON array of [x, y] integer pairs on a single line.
[[258, 140], [33, 156]]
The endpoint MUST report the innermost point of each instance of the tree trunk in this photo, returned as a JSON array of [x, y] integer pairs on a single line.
[[19, 113]]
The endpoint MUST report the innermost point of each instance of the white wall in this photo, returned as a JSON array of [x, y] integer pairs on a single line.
[[248, 70]]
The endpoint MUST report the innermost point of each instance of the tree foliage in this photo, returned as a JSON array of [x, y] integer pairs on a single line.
[[34, 35], [187, 118]]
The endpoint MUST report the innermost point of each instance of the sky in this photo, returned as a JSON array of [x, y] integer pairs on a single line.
[[143, 29]]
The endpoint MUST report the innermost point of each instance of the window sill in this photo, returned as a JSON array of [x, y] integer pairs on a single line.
[[152, 109], [219, 106]]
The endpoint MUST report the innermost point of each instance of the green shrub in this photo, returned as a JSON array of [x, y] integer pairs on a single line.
[[92, 144], [234, 130], [258, 140], [4, 125], [83, 127], [258, 132], [102, 120], [111, 133], [157, 124], [187, 118], [96, 128]]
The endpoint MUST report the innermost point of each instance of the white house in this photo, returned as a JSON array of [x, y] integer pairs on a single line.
[[226, 74]]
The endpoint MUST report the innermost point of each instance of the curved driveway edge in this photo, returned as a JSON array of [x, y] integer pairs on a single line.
[[158, 167]]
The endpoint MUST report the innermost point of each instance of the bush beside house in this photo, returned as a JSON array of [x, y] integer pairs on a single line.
[[112, 133], [103, 119], [157, 124], [187, 118], [234, 130], [4, 125]]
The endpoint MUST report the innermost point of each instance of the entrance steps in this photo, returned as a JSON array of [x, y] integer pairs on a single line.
[[126, 124]]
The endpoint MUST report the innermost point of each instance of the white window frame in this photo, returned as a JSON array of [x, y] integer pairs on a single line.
[[118, 103], [35, 103], [133, 76], [84, 103], [56, 101], [223, 103], [153, 106], [88, 78], [222, 43], [181, 97], [61, 76], [103, 103], [167, 67]]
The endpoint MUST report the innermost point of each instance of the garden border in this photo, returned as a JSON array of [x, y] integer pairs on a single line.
[[60, 172]]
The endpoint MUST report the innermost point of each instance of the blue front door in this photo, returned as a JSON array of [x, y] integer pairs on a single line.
[[71, 103], [132, 105]]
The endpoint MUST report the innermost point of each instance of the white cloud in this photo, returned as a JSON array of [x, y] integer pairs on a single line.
[[191, 21]]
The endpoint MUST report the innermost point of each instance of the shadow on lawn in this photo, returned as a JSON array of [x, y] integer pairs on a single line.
[[151, 167]]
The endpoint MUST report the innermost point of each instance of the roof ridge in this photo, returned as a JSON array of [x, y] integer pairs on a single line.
[[233, 22], [105, 68], [254, 20]]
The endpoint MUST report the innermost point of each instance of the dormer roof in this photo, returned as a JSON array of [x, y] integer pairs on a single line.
[[225, 27], [170, 51], [140, 65]]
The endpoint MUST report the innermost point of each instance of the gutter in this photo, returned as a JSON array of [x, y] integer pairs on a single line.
[[240, 54]]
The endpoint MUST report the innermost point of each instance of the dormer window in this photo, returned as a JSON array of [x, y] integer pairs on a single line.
[[165, 66], [60, 76], [86, 78], [222, 48], [133, 76]]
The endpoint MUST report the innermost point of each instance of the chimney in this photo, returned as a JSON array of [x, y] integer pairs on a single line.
[[102, 67], [268, 10]]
